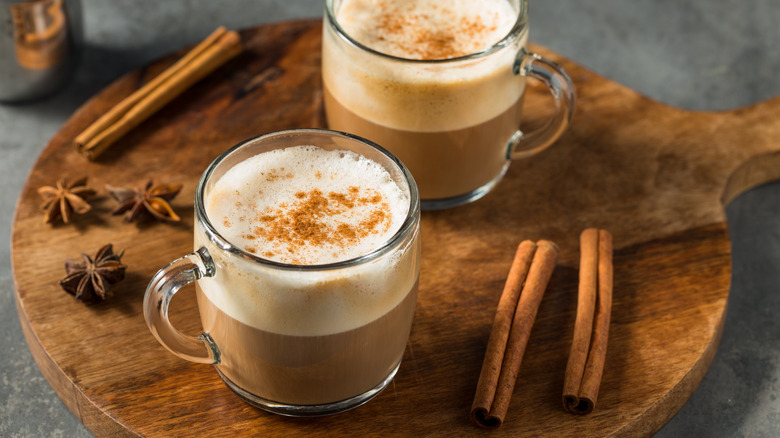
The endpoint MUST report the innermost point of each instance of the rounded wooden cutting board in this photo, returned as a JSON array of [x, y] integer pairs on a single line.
[[651, 174]]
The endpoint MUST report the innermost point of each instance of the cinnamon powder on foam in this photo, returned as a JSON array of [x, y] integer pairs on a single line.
[[315, 219], [459, 35], [304, 205]]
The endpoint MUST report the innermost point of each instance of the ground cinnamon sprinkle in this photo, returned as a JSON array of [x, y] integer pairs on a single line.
[[275, 174], [316, 219], [342, 199], [427, 43]]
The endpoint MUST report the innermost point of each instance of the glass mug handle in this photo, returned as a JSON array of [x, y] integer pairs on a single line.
[[159, 293], [552, 75]]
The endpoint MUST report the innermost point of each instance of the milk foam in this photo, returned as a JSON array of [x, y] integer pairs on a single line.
[[427, 29], [306, 205], [423, 98], [298, 302]]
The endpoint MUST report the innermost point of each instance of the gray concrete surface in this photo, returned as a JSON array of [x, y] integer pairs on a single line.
[[694, 54]]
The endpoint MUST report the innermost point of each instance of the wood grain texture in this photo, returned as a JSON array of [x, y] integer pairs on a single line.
[[651, 174]]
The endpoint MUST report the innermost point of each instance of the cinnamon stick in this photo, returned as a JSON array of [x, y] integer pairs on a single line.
[[591, 327], [528, 277], [204, 58]]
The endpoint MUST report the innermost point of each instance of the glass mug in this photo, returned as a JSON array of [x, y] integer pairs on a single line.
[[453, 122], [298, 340]]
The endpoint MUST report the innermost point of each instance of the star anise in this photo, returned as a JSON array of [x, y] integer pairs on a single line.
[[65, 199], [153, 199], [90, 281]]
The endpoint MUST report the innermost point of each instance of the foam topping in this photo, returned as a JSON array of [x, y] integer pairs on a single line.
[[304, 205], [427, 29]]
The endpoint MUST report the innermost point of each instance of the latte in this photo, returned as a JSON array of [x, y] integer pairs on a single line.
[[449, 120], [289, 333]]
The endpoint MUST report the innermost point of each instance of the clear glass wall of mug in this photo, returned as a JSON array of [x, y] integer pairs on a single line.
[[453, 121]]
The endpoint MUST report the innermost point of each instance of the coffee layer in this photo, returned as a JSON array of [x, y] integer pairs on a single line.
[[444, 164], [309, 369]]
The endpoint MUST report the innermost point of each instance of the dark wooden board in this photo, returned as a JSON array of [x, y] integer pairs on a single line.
[[651, 174]]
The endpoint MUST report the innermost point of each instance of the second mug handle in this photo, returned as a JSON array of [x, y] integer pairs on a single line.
[[159, 293], [529, 64]]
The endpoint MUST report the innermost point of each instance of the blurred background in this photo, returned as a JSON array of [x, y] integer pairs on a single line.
[[703, 55]]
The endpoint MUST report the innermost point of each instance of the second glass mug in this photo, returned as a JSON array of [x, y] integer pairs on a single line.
[[291, 360], [453, 122]]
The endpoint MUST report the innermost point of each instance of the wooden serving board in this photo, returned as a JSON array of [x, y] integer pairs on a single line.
[[651, 174]]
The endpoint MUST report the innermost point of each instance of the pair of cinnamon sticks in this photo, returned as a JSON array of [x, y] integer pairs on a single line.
[[531, 270], [591, 326], [204, 58]]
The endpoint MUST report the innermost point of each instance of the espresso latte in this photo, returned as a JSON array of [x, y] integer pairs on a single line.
[[289, 333], [450, 120]]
